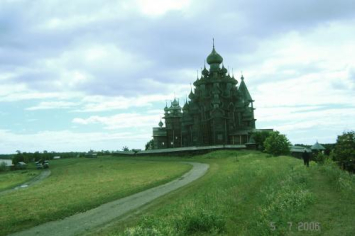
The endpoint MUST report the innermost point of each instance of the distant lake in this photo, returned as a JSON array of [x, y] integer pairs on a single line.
[[7, 161]]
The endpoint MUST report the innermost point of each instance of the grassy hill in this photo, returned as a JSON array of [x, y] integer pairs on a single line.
[[249, 193], [79, 184]]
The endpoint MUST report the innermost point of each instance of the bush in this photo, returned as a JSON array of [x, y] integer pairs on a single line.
[[189, 222], [2, 166], [200, 221], [344, 181], [320, 158], [125, 149], [259, 138], [344, 151], [149, 145], [277, 144]]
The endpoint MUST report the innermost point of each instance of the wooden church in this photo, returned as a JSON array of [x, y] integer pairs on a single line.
[[218, 111]]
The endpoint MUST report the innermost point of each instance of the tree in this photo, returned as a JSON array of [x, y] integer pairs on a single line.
[[344, 151], [18, 158], [125, 149], [260, 137], [149, 145], [277, 144]]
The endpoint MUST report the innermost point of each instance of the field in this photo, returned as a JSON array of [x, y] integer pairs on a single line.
[[250, 193], [243, 193], [79, 184], [11, 179]]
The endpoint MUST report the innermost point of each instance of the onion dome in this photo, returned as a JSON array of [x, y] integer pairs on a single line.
[[160, 124], [174, 103], [204, 71], [214, 57], [196, 82], [224, 70], [191, 95], [166, 109], [186, 106]]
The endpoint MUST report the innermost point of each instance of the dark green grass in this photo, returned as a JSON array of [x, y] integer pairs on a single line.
[[79, 184], [248, 193]]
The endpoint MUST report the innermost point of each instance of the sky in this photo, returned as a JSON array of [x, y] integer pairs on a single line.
[[87, 74]]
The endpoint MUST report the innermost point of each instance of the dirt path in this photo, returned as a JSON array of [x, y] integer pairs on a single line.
[[105, 213], [44, 174]]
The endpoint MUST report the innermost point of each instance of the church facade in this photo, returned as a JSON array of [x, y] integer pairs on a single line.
[[219, 111]]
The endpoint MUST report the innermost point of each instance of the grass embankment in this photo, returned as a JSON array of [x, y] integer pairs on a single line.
[[10, 179], [77, 185], [248, 193]]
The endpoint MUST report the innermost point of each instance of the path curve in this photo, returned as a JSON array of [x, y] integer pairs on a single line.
[[107, 212], [44, 174]]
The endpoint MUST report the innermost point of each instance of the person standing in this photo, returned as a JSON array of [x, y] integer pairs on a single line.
[[306, 157]]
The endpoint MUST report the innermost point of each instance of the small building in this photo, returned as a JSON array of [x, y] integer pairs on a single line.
[[91, 154], [56, 157], [317, 147], [297, 151], [21, 165]]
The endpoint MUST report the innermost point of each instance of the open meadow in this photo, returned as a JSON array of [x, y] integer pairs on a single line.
[[243, 193], [11, 179], [78, 184], [251, 193]]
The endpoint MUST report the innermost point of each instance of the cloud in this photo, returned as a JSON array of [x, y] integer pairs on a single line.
[[120, 121], [52, 105], [161, 7], [92, 59], [67, 140], [93, 48]]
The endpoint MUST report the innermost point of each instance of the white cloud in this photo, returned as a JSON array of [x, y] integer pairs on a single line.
[[20, 92], [121, 121], [67, 140], [128, 56], [161, 7], [101, 103], [52, 105]]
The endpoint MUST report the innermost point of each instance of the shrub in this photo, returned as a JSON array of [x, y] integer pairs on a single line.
[[149, 145], [344, 181], [320, 158], [277, 144], [259, 138], [344, 151], [2, 166], [125, 149], [200, 221], [151, 226]]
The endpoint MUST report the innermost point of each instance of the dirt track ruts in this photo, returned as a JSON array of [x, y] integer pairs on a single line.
[[44, 174], [105, 213]]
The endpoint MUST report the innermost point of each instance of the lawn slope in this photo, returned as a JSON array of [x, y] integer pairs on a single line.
[[11, 179], [77, 185], [250, 193]]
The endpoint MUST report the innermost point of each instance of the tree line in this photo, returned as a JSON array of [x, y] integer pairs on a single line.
[[342, 152]]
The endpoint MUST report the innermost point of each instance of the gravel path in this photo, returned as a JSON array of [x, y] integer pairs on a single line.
[[105, 213], [44, 174]]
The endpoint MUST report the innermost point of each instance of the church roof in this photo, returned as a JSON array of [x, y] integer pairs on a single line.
[[317, 146], [191, 95], [244, 90]]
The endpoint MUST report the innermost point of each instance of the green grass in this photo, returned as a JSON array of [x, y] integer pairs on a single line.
[[247, 193], [10, 179], [77, 185]]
